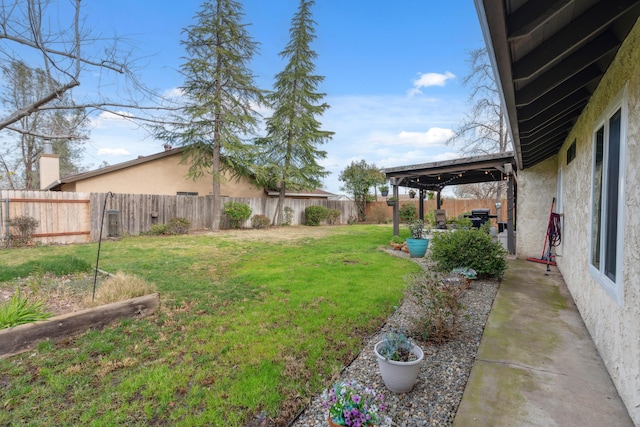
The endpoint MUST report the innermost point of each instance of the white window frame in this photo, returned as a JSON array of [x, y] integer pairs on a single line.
[[613, 288]]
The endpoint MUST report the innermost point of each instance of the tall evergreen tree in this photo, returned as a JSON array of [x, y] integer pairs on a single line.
[[293, 131], [221, 96]]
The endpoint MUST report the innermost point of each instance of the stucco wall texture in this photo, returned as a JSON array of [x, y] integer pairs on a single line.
[[162, 176], [614, 328]]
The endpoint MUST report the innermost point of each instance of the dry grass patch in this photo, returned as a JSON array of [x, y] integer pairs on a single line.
[[120, 287]]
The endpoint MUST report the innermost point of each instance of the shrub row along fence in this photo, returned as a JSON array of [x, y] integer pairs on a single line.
[[65, 217], [453, 208]]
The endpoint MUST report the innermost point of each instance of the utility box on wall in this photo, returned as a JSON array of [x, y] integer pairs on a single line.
[[113, 223]]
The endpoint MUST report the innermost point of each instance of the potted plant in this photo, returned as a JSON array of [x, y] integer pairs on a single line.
[[417, 244], [384, 190], [392, 201], [351, 404], [412, 193], [399, 360]]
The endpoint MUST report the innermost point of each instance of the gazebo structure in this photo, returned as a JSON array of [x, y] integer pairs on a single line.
[[436, 176]]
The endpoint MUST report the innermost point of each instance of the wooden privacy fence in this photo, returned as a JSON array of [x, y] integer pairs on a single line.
[[62, 217], [66, 217], [453, 207]]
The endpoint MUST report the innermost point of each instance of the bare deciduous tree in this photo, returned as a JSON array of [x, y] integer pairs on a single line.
[[484, 128], [50, 36]]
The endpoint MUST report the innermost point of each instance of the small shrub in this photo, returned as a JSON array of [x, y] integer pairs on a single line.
[[378, 215], [120, 287], [25, 226], [158, 229], [260, 221], [178, 225], [19, 310], [408, 212], [237, 212], [440, 301], [469, 249], [333, 217], [461, 222], [353, 219], [288, 216], [315, 214], [397, 239], [486, 228]]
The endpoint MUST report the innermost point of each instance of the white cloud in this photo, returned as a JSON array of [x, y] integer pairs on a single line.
[[113, 152], [175, 92], [108, 119], [430, 79]]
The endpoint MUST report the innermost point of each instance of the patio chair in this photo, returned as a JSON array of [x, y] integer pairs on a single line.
[[441, 218]]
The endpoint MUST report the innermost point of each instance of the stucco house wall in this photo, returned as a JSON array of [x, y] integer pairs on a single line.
[[615, 328], [164, 175], [536, 189]]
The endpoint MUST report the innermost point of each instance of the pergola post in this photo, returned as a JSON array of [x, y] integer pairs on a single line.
[[421, 205], [511, 241], [396, 211]]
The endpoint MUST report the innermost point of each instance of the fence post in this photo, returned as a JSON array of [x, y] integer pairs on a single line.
[[6, 221]]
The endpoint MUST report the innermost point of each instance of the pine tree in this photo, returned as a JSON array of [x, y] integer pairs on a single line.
[[219, 116], [290, 150]]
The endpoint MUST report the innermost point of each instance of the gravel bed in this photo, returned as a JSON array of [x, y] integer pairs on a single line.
[[443, 376]]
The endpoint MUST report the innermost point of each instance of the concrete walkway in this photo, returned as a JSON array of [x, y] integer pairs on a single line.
[[537, 364]]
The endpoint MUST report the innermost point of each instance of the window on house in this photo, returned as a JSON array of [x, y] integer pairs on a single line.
[[607, 206]]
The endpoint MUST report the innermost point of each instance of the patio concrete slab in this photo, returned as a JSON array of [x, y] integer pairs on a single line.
[[536, 364]]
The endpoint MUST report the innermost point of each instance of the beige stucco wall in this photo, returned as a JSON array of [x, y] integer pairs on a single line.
[[614, 328], [162, 176], [536, 189]]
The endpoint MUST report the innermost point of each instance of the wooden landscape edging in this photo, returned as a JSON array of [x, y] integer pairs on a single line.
[[23, 337]]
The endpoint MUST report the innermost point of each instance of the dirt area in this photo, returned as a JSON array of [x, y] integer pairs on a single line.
[[60, 295], [275, 233]]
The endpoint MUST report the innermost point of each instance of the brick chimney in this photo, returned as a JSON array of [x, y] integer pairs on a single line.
[[49, 165]]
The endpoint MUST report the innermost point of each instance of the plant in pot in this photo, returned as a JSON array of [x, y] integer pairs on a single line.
[[417, 244], [351, 404], [384, 190], [399, 360], [412, 193], [392, 201]]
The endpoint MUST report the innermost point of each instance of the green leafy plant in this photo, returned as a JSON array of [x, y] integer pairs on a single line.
[[469, 249], [439, 299], [408, 212], [315, 214], [397, 346], [260, 221], [25, 226], [351, 404], [397, 239], [416, 228], [288, 216], [237, 213], [19, 310], [384, 188]]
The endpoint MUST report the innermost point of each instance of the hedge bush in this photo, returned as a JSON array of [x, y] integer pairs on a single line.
[[333, 216], [408, 212], [237, 212], [315, 214], [260, 221], [469, 249]]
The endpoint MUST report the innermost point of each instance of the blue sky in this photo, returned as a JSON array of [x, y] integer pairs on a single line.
[[393, 74]]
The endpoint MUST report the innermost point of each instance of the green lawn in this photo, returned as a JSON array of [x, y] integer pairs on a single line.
[[246, 326]]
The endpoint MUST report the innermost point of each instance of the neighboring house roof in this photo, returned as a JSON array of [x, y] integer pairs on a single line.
[[549, 57], [56, 185]]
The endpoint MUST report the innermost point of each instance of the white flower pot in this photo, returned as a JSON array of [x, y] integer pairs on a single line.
[[399, 377]]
